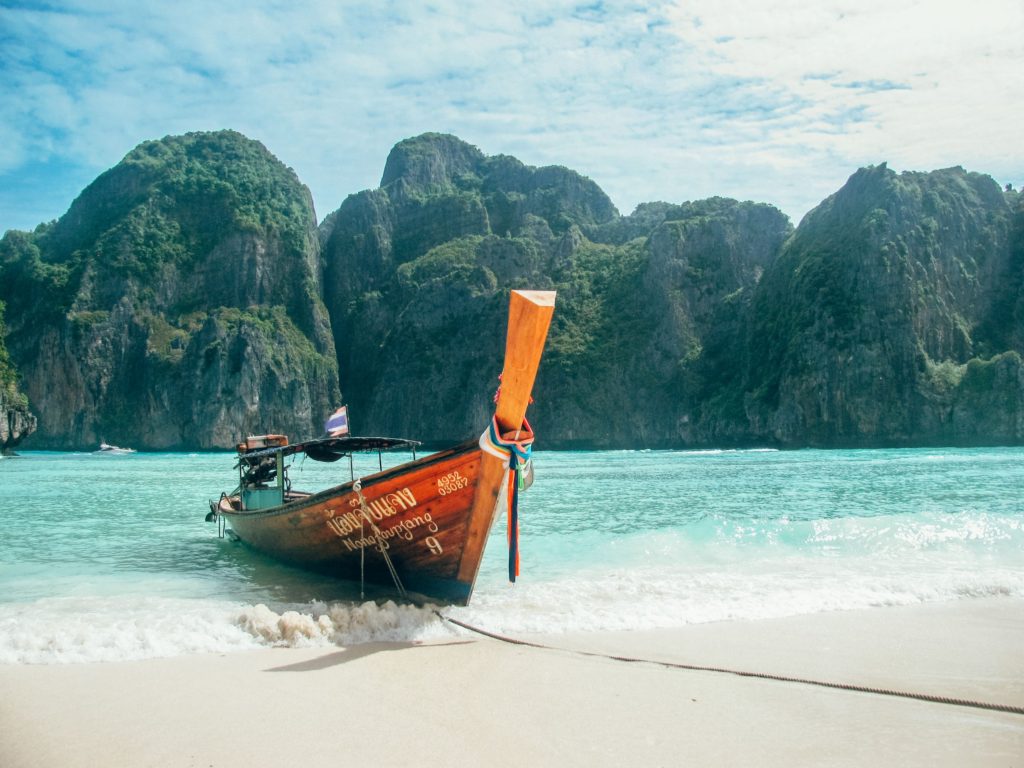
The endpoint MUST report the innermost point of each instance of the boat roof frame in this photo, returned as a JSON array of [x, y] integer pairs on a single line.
[[330, 449]]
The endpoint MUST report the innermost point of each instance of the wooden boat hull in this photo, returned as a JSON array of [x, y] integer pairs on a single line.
[[421, 527], [419, 513]]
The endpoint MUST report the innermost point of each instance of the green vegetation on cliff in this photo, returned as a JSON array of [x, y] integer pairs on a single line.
[[16, 421], [188, 296], [649, 309], [861, 329], [8, 374], [706, 323], [170, 200], [110, 303]]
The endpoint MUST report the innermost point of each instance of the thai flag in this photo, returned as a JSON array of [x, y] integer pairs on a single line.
[[337, 424]]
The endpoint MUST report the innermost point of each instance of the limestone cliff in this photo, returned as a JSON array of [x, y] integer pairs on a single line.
[[187, 298], [649, 309], [892, 316], [647, 333], [16, 420], [177, 304], [887, 318], [417, 273]]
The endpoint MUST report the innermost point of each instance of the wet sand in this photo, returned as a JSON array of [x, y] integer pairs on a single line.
[[476, 701]]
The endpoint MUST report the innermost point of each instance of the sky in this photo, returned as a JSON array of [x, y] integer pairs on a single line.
[[777, 101]]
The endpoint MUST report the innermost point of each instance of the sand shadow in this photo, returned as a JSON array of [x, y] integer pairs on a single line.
[[354, 653]]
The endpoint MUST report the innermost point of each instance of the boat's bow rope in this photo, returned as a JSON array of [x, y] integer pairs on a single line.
[[515, 449], [934, 699], [382, 546]]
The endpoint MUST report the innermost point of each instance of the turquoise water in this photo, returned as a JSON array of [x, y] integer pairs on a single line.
[[107, 557]]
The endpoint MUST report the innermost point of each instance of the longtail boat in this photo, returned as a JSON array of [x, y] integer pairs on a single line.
[[418, 528]]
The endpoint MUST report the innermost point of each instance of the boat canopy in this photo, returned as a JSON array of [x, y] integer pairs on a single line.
[[330, 448]]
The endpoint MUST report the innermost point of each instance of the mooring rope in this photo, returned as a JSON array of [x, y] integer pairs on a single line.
[[1007, 708], [382, 545]]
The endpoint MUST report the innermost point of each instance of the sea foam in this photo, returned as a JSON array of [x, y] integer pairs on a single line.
[[107, 561], [66, 630]]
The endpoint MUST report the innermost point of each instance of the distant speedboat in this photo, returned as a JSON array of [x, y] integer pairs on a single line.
[[113, 449]]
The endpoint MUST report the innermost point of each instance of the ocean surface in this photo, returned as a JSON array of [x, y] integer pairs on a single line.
[[107, 557]]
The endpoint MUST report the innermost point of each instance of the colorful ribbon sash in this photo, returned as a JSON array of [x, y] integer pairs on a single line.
[[514, 449]]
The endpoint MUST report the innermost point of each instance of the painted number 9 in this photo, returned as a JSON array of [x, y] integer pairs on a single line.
[[434, 545]]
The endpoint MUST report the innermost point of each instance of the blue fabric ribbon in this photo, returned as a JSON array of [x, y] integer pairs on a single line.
[[518, 452]]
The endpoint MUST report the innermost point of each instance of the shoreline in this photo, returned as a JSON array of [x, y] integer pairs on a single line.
[[470, 700], [574, 447]]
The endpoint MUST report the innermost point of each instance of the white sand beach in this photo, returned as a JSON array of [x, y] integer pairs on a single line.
[[473, 701]]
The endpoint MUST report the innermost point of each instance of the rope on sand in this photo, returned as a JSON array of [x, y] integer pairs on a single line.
[[1008, 708]]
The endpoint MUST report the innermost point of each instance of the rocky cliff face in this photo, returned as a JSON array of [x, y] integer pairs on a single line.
[[417, 273], [893, 315], [176, 305], [16, 420], [187, 298], [881, 322], [649, 305], [646, 332]]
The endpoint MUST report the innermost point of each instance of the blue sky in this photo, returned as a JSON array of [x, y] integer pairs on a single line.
[[777, 102]]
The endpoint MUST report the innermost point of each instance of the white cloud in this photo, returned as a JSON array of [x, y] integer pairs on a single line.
[[921, 84], [777, 102]]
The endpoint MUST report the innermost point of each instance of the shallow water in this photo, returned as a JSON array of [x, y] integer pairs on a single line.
[[108, 557]]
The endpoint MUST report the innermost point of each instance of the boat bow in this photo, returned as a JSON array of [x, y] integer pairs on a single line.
[[427, 520], [529, 318]]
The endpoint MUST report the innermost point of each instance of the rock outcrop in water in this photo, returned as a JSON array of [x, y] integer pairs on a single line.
[[16, 420], [187, 298]]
